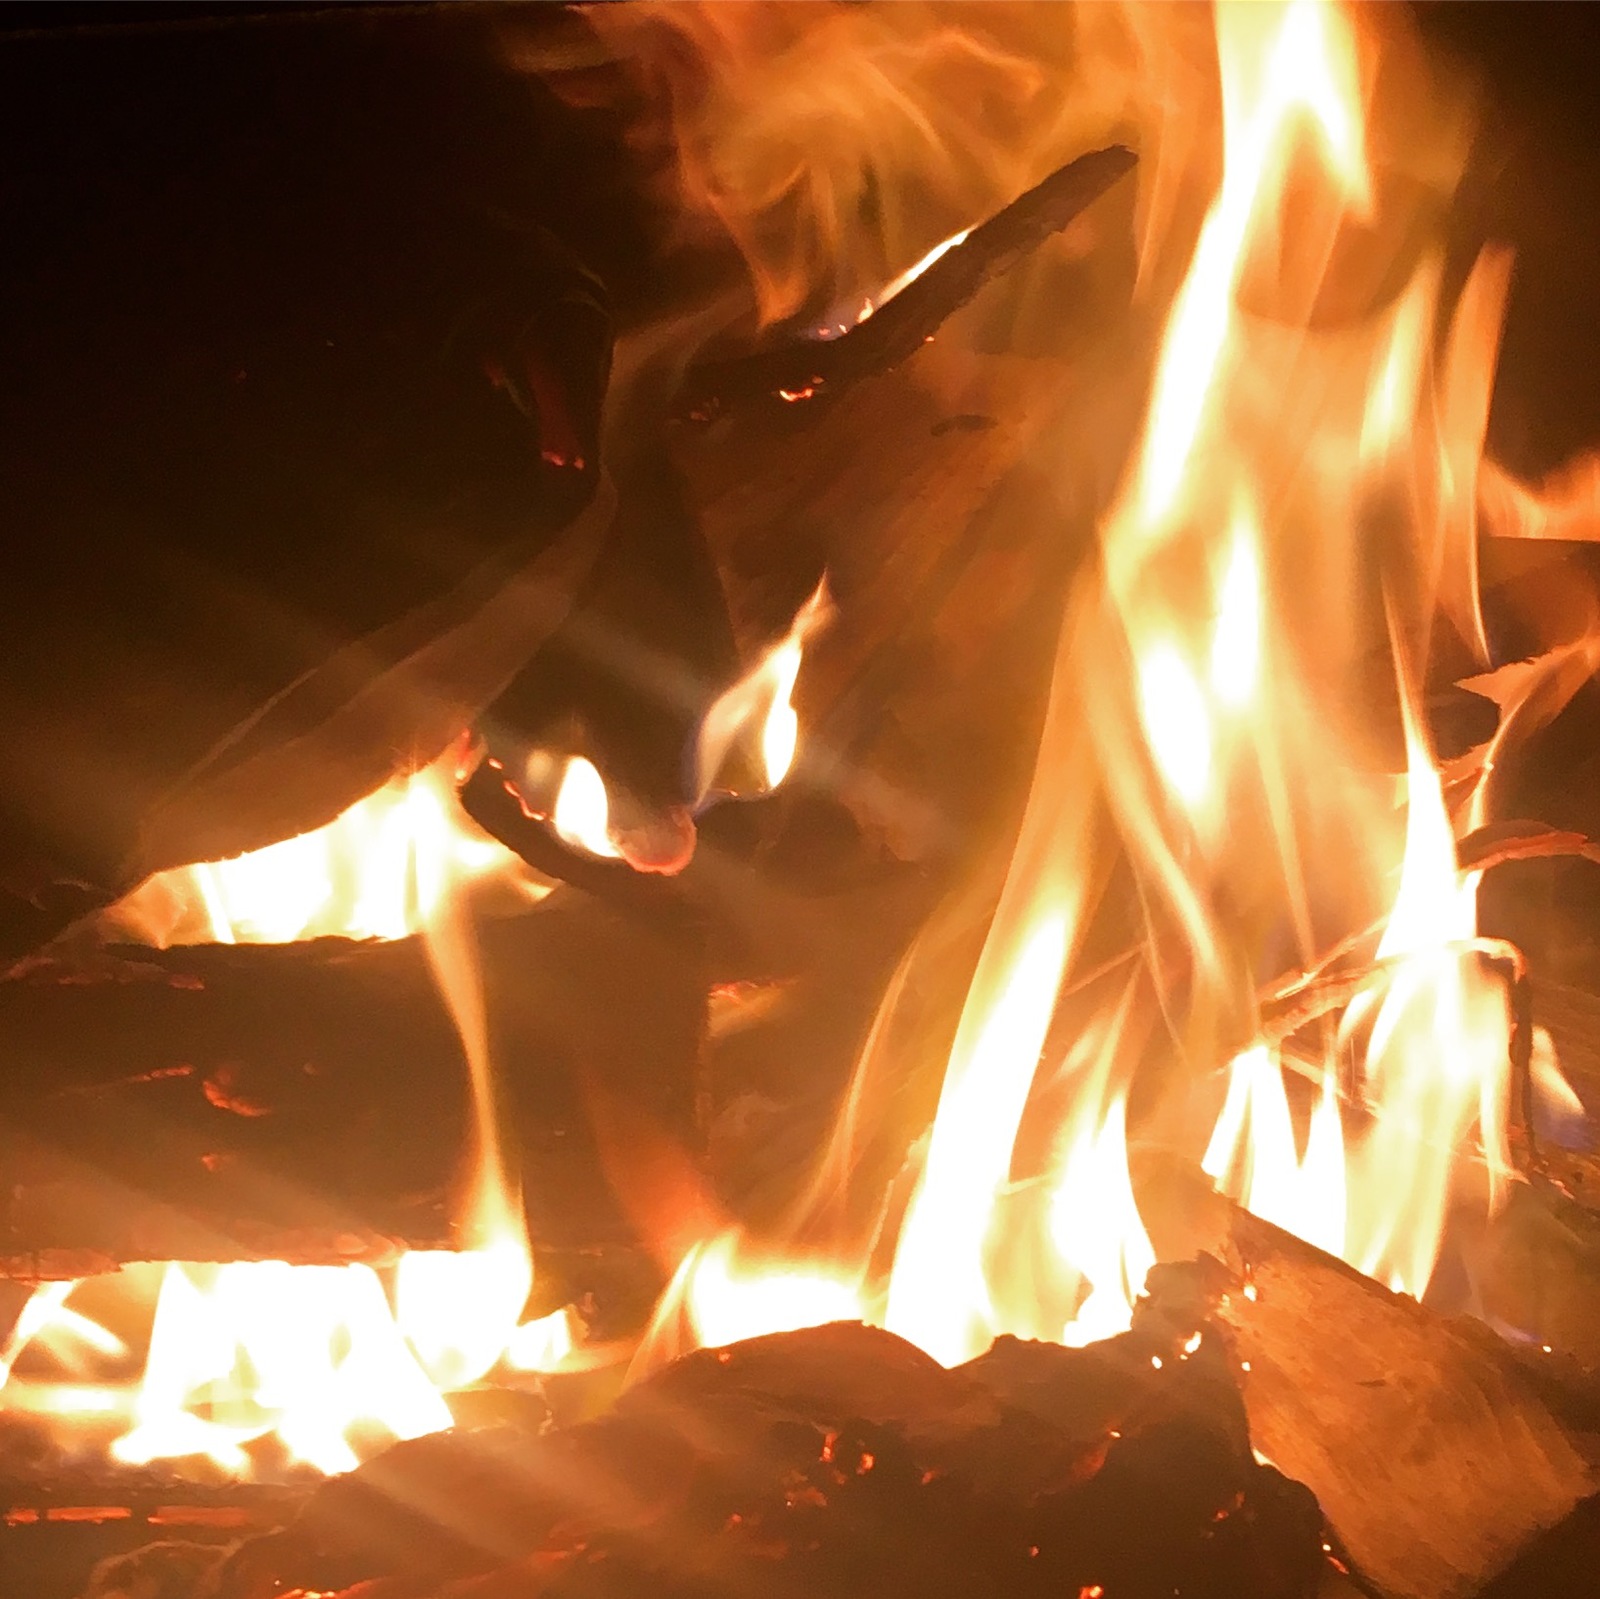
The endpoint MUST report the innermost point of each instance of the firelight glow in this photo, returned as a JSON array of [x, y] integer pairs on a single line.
[[1199, 732], [1232, 587], [761, 704]]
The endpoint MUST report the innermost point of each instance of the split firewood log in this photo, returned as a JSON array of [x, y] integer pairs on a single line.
[[1432, 1451], [948, 498]]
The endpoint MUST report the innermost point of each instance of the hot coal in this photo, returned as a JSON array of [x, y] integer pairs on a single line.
[[838, 1460]]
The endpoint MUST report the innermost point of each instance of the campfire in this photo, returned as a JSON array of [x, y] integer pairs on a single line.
[[925, 962]]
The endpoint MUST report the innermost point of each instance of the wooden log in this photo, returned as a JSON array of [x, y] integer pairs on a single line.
[[301, 414], [310, 1100], [816, 372], [1430, 1448]]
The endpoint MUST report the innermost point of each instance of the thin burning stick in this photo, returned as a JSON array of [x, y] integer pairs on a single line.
[[816, 370]]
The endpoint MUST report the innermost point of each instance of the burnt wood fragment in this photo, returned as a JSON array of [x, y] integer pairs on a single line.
[[837, 1461], [811, 373]]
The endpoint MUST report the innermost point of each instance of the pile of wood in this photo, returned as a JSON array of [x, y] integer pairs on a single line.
[[836, 1461], [1179, 1457]]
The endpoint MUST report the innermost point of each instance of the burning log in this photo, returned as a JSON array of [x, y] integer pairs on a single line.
[[948, 501], [1434, 1455], [309, 1101], [838, 1460], [823, 370], [303, 419]]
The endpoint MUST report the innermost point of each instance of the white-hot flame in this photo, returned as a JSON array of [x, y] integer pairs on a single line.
[[582, 814], [379, 871]]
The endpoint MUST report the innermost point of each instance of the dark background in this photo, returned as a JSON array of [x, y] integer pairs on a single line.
[[1537, 170]]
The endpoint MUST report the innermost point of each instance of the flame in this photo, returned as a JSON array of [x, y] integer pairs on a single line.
[[1294, 480], [761, 704], [1430, 1085], [379, 871], [582, 811], [1303, 1194], [325, 1364], [1300, 476], [723, 1292], [332, 1361]]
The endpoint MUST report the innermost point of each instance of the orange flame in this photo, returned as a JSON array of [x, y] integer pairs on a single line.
[[381, 870], [1199, 729], [762, 703], [1201, 713], [324, 1358]]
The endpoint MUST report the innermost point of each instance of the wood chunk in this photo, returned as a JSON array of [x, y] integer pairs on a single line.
[[1428, 1447], [309, 1100], [831, 1461]]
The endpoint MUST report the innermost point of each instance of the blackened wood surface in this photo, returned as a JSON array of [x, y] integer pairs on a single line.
[[221, 1101], [255, 287]]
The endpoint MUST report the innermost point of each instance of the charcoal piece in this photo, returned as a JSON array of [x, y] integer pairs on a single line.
[[835, 1461]]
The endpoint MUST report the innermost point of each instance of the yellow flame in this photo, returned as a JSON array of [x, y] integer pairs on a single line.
[[307, 1352], [379, 871], [1305, 1194], [1284, 69], [728, 1298], [1095, 1224], [324, 1358], [939, 1293], [761, 703], [1176, 722], [1197, 720], [582, 812], [1236, 643]]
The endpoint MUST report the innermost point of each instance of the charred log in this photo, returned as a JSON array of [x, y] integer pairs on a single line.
[[837, 1461], [815, 372], [310, 1100], [298, 384]]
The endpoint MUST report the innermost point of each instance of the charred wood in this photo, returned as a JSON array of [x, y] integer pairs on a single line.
[[310, 1100], [815, 372], [838, 1461]]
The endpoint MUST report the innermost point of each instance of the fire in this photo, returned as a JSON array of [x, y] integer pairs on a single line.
[[582, 814], [381, 870], [1300, 500], [722, 1292], [259, 1365], [328, 1362], [761, 705], [1208, 720], [259, 1361]]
